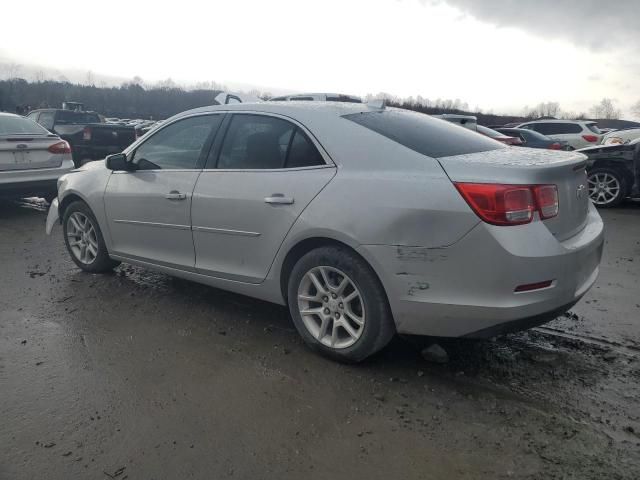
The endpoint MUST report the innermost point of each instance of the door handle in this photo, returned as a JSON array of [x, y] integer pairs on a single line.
[[278, 199], [175, 195]]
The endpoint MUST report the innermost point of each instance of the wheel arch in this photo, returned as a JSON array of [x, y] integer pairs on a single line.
[[619, 165], [304, 246], [67, 200]]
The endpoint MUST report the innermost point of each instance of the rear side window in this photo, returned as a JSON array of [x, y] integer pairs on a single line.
[[424, 134], [302, 153], [551, 128], [255, 142]]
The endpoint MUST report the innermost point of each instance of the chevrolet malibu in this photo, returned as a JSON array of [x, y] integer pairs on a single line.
[[365, 221]]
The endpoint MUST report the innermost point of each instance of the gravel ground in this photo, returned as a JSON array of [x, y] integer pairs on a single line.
[[142, 376]]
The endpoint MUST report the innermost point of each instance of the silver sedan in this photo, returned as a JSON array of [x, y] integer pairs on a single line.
[[365, 221]]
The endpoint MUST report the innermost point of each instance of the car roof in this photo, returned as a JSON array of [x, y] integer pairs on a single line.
[[9, 114], [292, 108]]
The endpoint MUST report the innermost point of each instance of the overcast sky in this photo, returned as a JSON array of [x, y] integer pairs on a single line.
[[495, 54]]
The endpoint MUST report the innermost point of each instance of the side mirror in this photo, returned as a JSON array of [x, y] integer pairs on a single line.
[[118, 161]]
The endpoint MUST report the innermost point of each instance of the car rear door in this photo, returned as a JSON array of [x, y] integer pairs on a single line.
[[149, 209], [258, 179]]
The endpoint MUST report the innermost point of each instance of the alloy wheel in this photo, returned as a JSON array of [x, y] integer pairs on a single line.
[[604, 188], [82, 238], [331, 307]]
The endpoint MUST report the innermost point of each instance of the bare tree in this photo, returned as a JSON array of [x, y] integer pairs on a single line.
[[89, 78], [544, 109], [635, 108], [605, 109], [12, 69]]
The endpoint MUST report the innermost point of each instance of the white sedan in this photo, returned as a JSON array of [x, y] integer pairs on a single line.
[[31, 158]]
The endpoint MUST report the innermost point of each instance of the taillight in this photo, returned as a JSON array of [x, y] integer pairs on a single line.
[[590, 138], [504, 205], [546, 200], [59, 148], [86, 134], [555, 146]]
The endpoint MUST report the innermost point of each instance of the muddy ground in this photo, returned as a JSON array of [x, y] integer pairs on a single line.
[[141, 376]]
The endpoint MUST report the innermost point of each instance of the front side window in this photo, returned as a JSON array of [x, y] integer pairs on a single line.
[[176, 146]]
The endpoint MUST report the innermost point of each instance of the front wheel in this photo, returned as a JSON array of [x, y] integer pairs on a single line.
[[607, 187], [338, 305], [84, 241]]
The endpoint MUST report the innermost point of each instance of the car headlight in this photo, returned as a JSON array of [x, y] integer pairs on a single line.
[[613, 141]]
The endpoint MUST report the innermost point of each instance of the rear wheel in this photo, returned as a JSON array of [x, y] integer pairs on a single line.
[[338, 305], [84, 241], [607, 187]]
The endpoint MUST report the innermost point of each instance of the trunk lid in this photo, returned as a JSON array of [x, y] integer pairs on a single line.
[[28, 152], [527, 166]]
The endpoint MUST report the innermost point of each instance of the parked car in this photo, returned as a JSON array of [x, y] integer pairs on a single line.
[[613, 172], [31, 158], [577, 133], [500, 137], [533, 139], [90, 139], [318, 97], [621, 136], [364, 220]]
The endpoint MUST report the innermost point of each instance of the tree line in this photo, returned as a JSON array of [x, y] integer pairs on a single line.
[[129, 100], [135, 99]]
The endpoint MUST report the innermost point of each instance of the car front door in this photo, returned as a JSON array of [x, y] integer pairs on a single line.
[[148, 209], [258, 180]]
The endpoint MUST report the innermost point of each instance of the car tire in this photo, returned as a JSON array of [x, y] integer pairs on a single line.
[[84, 241], [607, 187], [346, 291]]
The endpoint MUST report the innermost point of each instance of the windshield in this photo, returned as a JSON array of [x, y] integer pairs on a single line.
[[14, 125], [423, 133]]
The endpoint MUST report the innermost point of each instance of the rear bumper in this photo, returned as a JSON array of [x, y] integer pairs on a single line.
[[20, 183], [467, 289]]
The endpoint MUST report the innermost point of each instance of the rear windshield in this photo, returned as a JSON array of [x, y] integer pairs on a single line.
[[10, 125], [424, 134], [69, 117]]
